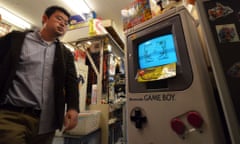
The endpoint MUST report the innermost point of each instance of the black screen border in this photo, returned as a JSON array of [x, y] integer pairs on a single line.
[[184, 76]]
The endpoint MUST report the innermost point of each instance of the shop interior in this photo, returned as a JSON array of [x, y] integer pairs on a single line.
[[122, 100]]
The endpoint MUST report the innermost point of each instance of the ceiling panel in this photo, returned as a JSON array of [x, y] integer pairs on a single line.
[[31, 10]]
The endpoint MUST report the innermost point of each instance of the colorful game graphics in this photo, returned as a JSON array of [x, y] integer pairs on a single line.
[[234, 71], [227, 33], [157, 58], [219, 11], [156, 73]]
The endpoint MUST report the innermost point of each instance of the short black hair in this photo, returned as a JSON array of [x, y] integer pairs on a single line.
[[50, 10]]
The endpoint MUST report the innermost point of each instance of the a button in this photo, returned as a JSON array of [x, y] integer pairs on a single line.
[[138, 117], [178, 126], [195, 119]]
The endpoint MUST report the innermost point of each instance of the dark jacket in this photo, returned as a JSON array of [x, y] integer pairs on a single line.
[[65, 79]]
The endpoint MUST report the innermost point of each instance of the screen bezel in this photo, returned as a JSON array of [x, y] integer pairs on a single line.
[[184, 74]]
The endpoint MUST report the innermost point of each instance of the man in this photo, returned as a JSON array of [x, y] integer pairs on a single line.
[[37, 78]]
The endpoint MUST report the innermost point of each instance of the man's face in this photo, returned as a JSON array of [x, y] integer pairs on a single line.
[[56, 24]]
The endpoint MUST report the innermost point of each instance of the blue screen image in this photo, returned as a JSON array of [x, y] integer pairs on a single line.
[[157, 52]]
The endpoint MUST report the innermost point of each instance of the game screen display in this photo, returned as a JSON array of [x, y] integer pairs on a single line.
[[157, 58]]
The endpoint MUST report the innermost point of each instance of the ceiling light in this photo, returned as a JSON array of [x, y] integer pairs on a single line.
[[78, 6], [13, 19]]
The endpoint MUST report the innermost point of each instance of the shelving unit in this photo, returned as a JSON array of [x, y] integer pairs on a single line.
[[102, 51]]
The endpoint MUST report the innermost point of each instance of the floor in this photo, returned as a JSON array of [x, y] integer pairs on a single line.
[[60, 140]]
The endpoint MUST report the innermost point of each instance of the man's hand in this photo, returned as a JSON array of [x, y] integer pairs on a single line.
[[71, 119]]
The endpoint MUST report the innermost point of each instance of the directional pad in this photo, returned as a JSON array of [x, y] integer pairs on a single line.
[[138, 117]]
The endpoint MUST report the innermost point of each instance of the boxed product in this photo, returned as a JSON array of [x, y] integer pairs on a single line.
[[137, 12], [88, 122]]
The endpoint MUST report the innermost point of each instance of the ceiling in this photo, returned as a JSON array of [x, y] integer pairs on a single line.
[[32, 10]]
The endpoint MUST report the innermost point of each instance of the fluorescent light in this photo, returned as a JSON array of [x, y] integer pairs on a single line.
[[78, 6], [13, 19]]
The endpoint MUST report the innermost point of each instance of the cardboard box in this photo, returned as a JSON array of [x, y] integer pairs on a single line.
[[88, 122]]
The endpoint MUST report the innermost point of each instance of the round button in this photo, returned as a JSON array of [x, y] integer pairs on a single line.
[[195, 119], [141, 72], [178, 126]]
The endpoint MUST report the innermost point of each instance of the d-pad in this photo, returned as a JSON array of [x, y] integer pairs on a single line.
[[138, 118]]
